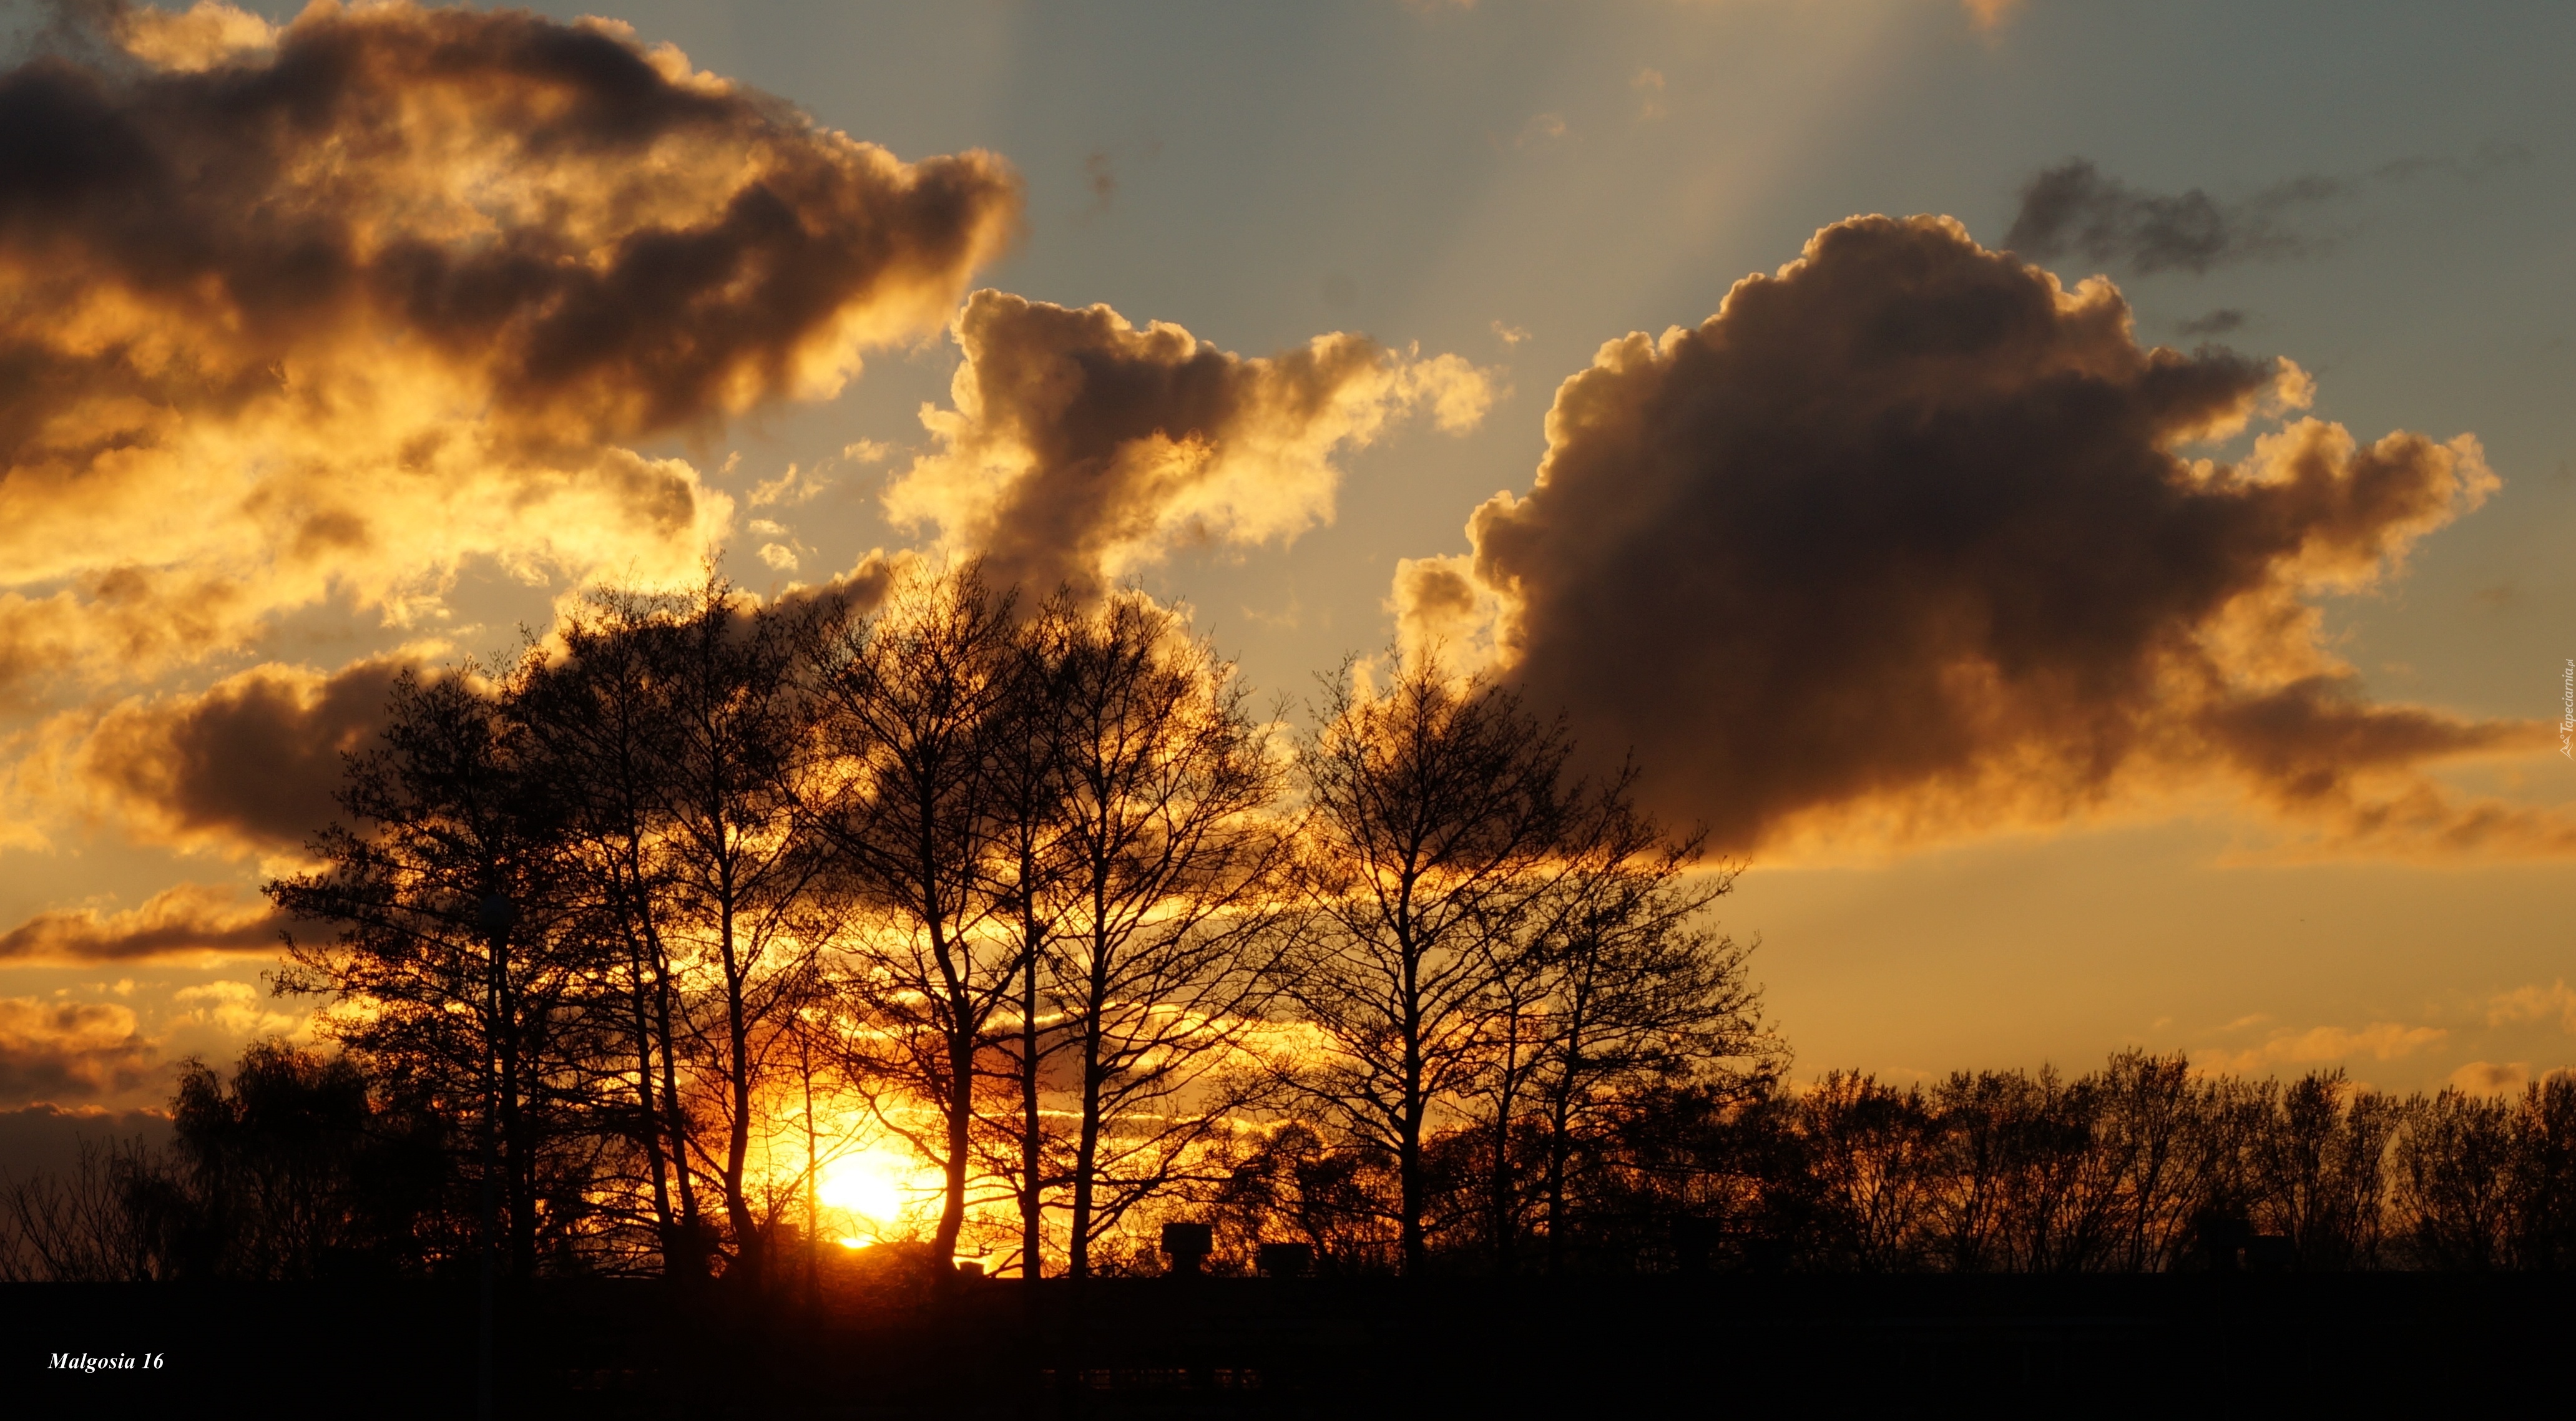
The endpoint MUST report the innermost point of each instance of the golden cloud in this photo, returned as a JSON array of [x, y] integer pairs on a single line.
[[188, 920], [1904, 537], [57, 1050], [325, 310], [2533, 1003], [1079, 446], [2380, 1041], [250, 763]]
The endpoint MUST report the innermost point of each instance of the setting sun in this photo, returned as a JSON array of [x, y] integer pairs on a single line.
[[877, 1187]]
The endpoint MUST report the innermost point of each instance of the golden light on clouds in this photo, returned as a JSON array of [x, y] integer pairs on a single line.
[[194, 921], [337, 346], [1903, 540], [1078, 447], [326, 312], [2288, 1047], [61, 1050]]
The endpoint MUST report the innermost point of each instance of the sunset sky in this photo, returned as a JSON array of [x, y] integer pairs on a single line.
[[2120, 597]]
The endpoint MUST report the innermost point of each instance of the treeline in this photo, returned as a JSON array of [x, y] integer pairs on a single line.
[[638, 936], [294, 1169], [2142, 1166]]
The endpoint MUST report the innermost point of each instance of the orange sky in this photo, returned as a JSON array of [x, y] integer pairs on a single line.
[[2152, 634]]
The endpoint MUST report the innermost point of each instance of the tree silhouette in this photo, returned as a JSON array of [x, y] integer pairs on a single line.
[[909, 699], [1172, 859], [454, 962], [1433, 810]]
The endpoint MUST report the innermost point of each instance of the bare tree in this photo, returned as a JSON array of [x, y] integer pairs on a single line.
[[909, 698], [1867, 1158], [2455, 1180], [2321, 1167], [2150, 1132], [600, 719], [1172, 856], [2544, 1224], [1434, 814], [737, 863], [453, 957], [1639, 991], [81, 1227], [1031, 869]]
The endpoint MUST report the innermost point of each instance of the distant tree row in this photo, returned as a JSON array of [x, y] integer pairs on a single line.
[[2142, 1166], [296, 1169], [636, 934]]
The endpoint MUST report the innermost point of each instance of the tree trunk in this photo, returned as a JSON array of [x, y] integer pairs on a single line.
[[517, 1169], [1086, 1158], [1032, 1151], [1408, 1148], [1559, 1146], [1408, 1157], [648, 1118], [1560, 1124], [960, 1107], [1502, 1219], [813, 1167], [691, 1242], [746, 1229]]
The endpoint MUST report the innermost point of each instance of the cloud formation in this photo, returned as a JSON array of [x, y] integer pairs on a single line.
[[2534, 1003], [1080, 446], [325, 309], [1902, 532], [70, 1051], [188, 920], [2072, 209], [2287, 1046], [251, 762]]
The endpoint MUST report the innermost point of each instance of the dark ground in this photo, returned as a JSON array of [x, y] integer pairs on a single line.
[[1713, 1345]]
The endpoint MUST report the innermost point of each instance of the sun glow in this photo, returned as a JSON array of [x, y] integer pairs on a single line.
[[879, 1188]]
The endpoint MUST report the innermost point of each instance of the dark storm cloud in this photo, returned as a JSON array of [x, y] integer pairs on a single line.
[[2072, 209], [1079, 444], [252, 762], [1904, 525]]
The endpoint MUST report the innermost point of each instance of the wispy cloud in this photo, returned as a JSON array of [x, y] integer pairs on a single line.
[[2072, 209], [2325, 1045], [1543, 130], [191, 921], [2527, 1005], [1649, 87], [1078, 445]]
